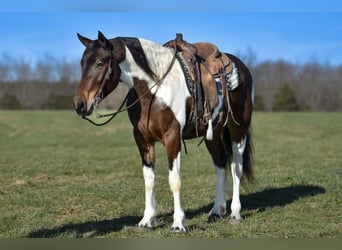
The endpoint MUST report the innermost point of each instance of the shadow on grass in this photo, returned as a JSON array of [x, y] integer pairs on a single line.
[[268, 198], [274, 197], [259, 201], [87, 229]]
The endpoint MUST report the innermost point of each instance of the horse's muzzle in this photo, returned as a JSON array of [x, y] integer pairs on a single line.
[[81, 107]]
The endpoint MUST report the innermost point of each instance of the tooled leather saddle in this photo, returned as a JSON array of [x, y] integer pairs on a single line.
[[205, 68]]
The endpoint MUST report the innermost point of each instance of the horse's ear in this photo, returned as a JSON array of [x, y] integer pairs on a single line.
[[85, 41], [103, 41]]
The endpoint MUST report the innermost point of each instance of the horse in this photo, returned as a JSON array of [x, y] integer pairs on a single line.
[[159, 106]]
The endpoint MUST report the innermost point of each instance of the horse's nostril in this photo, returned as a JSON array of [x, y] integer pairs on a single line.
[[79, 106]]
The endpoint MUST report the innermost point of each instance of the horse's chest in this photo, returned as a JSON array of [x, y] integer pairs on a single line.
[[156, 120]]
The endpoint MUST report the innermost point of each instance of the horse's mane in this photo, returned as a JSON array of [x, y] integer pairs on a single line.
[[134, 46]]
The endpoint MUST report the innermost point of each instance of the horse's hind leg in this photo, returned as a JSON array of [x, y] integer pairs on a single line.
[[219, 156], [238, 149]]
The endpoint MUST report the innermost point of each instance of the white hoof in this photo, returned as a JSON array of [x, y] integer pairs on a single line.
[[235, 219], [178, 228], [147, 222], [178, 222]]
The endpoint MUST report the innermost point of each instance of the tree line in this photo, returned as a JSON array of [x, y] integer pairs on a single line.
[[50, 83]]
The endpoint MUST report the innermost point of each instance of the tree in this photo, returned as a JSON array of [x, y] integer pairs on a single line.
[[285, 99], [9, 101], [258, 103], [22, 70], [44, 71], [58, 102]]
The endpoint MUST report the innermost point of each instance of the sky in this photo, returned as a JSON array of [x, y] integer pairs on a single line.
[[295, 31]]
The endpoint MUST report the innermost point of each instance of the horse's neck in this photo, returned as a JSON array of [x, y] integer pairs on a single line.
[[159, 60], [158, 57]]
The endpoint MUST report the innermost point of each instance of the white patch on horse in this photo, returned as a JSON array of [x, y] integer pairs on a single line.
[[220, 206], [130, 69], [236, 169], [172, 91], [149, 218], [175, 186]]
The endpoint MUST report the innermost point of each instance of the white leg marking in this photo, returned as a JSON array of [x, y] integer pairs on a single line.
[[236, 168], [209, 135], [150, 211], [220, 206], [175, 186]]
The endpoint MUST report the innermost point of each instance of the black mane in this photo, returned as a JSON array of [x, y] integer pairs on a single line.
[[134, 46]]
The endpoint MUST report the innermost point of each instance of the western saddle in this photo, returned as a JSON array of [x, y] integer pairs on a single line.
[[205, 68]]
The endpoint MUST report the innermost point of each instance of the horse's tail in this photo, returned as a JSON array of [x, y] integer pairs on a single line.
[[247, 158]]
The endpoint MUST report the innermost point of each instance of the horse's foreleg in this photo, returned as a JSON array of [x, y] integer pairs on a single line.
[[150, 211], [236, 169], [147, 153], [173, 149]]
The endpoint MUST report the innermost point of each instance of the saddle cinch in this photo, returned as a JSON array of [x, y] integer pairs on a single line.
[[207, 68]]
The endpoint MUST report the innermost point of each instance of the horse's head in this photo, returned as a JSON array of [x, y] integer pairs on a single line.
[[100, 72]]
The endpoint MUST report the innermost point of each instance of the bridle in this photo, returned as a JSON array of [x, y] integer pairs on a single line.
[[99, 95]]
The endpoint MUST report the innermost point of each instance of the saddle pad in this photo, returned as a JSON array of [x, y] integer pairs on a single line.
[[233, 78]]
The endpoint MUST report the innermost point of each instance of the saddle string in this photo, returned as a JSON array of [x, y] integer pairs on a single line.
[[230, 112], [99, 96]]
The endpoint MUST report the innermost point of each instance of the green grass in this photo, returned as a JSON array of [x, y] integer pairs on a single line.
[[62, 177]]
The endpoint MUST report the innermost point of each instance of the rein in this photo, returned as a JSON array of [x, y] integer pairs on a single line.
[[99, 96]]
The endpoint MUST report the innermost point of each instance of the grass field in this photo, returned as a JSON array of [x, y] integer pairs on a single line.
[[62, 177]]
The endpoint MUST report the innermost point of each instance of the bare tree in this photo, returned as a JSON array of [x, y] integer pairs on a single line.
[[68, 71], [45, 69], [22, 70]]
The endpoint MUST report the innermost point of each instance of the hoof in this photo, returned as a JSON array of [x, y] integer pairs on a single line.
[[213, 218], [147, 224], [235, 220], [178, 230]]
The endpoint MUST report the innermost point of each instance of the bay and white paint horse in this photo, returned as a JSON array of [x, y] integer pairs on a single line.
[[159, 105]]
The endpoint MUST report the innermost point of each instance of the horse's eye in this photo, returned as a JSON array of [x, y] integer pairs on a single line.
[[99, 64]]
